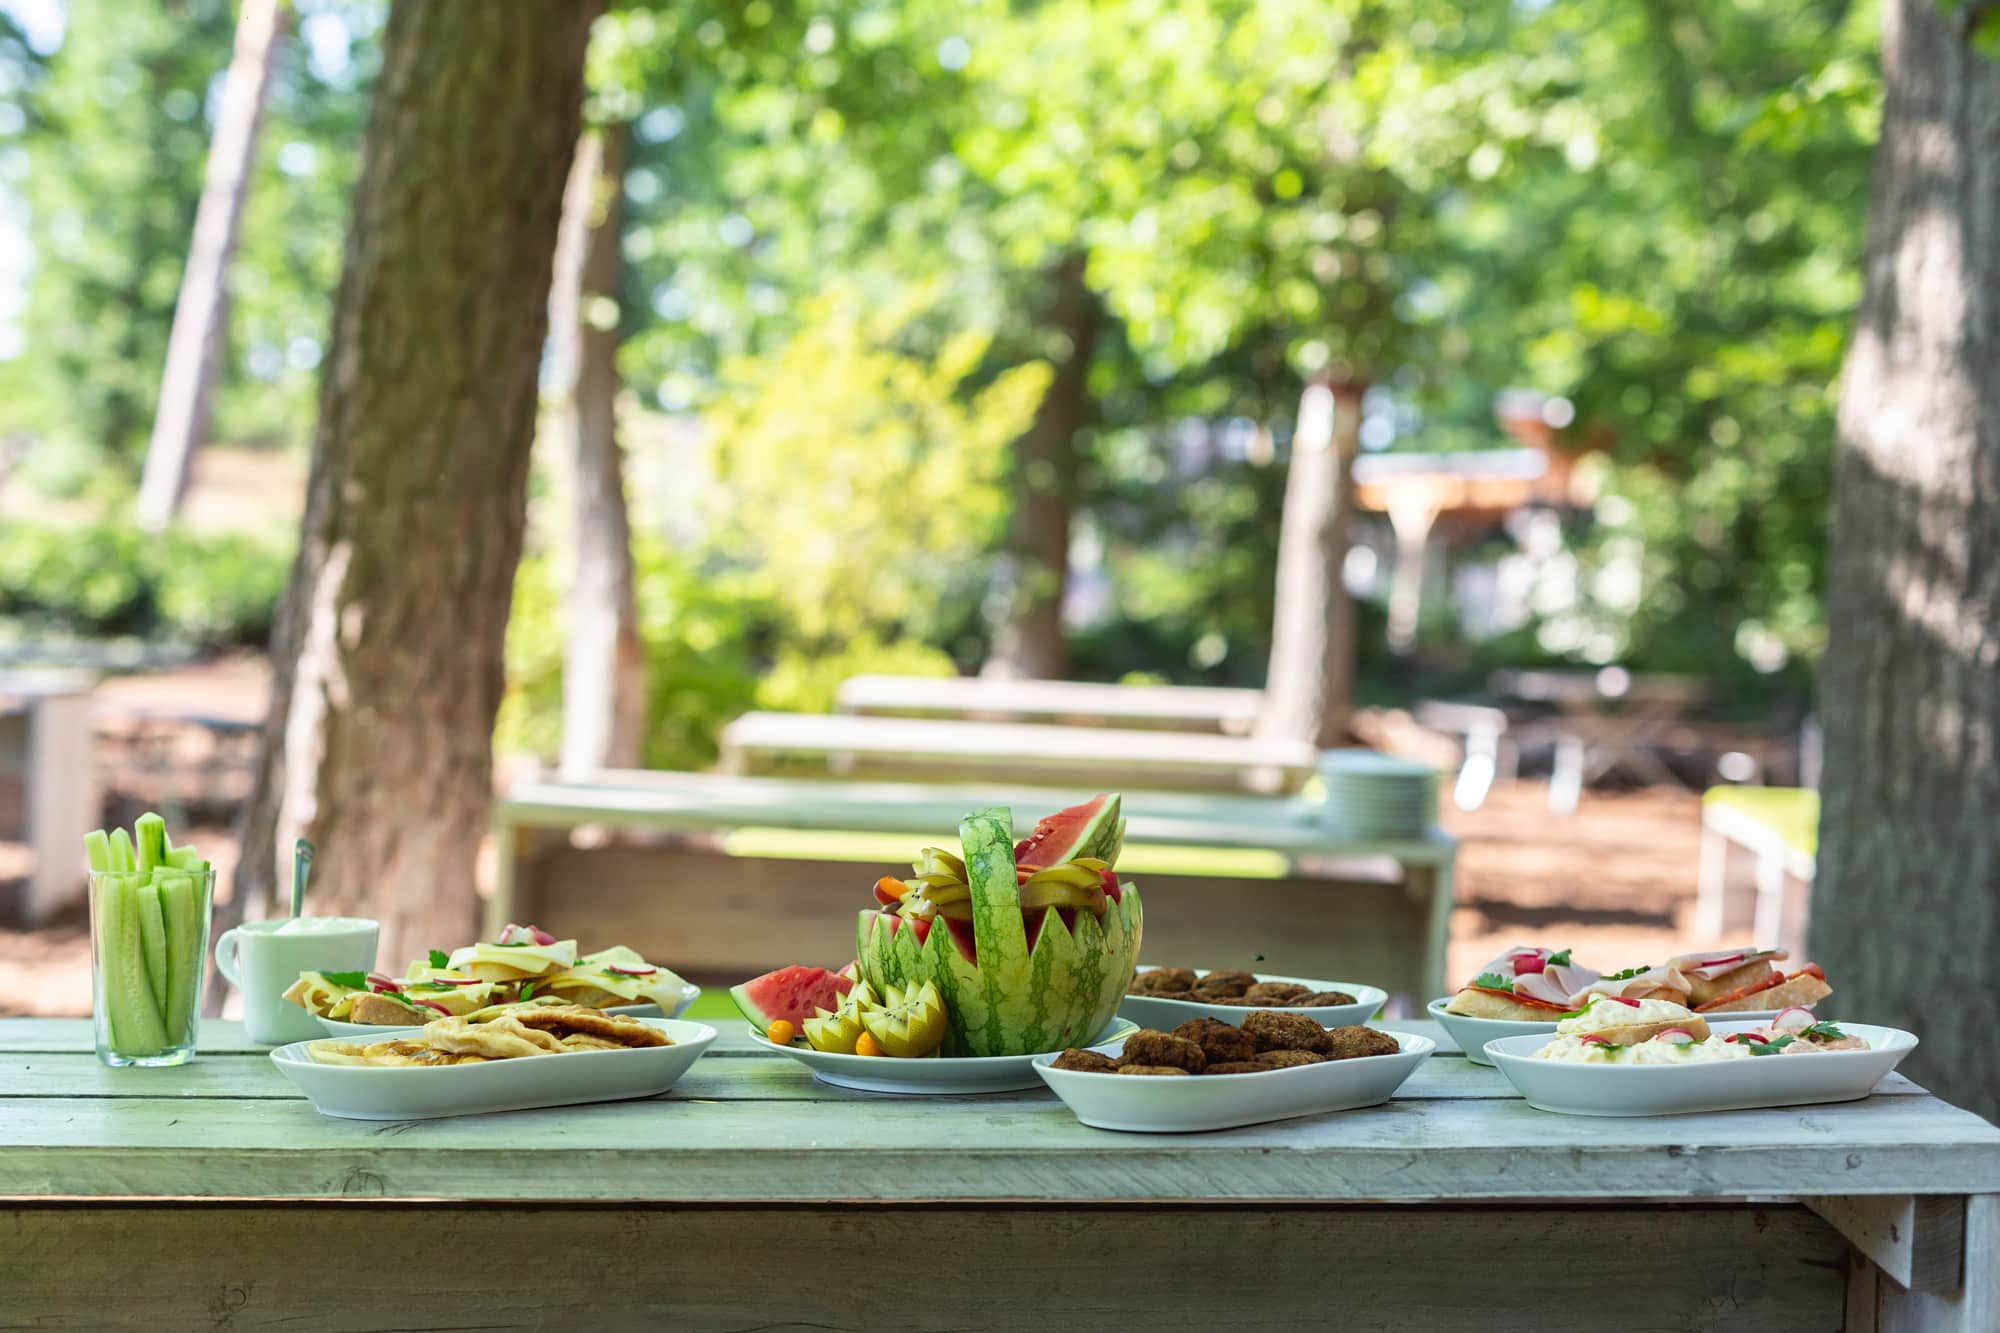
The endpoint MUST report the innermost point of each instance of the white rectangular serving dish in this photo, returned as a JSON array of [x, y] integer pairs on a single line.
[[356, 1092], [1165, 1014], [1156, 1104], [1726, 1085]]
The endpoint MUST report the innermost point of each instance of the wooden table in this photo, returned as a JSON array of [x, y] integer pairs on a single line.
[[1270, 885], [752, 1197], [949, 749], [1078, 703]]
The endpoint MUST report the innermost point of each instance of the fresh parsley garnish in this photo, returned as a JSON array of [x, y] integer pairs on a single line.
[[1771, 1047], [1559, 959], [1630, 972], [440, 959], [1573, 1013], [403, 1000], [517, 944], [1825, 1028], [350, 980], [526, 991], [1492, 981]]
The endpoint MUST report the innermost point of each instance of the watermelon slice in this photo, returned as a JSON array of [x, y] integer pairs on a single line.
[[1092, 829], [790, 993]]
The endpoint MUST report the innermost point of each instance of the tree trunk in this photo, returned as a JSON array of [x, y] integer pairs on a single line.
[[388, 645], [1309, 684], [201, 314], [604, 663], [1030, 640], [1907, 905]]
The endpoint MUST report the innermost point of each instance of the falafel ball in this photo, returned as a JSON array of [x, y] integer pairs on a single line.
[[1278, 1031], [1168, 1070], [1323, 999], [1235, 1067], [1350, 1042], [1288, 1059], [1085, 1062], [1147, 1047], [1224, 982], [1162, 981], [1277, 992], [1218, 1040]]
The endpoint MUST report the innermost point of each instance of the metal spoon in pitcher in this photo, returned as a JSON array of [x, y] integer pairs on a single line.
[[302, 864]]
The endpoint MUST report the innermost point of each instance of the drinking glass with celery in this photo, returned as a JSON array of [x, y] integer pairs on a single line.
[[149, 911]]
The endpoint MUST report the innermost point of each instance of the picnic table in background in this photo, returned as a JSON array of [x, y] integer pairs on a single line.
[[1779, 827], [723, 874], [1079, 703], [1604, 720], [213, 1192], [945, 749]]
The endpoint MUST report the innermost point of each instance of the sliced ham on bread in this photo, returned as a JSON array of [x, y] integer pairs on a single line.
[[1478, 1002], [1807, 987], [1713, 976]]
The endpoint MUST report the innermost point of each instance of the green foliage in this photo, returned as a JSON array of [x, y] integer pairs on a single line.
[[109, 578], [803, 681], [698, 629]]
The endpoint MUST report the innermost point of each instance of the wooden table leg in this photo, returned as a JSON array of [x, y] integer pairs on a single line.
[[1923, 1265]]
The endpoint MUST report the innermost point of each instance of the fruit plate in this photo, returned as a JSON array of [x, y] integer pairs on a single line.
[[1472, 1034], [1726, 1085], [1153, 1011], [353, 1092], [941, 1077], [1163, 1105], [354, 1031]]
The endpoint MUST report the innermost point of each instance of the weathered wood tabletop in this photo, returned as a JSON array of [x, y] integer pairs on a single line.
[[752, 1196]]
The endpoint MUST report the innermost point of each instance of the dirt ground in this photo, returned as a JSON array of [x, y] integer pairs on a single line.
[[1615, 881]]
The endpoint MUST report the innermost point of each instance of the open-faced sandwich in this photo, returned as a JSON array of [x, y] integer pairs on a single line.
[[522, 963], [1537, 985], [498, 1032], [1611, 1030], [1746, 980]]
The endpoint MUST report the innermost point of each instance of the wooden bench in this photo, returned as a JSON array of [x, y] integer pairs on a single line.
[[753, 1197], [1069, 702], [730, 875], [927, 748]]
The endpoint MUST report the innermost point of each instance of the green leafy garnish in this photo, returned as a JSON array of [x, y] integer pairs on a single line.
[[440, 959], [517, 944], [401, 999], [1492, 981], [526, 991], [349, 980], [1770, 1047], [430, 986], [1630, 972], [1558, 959], [1825, 1028]]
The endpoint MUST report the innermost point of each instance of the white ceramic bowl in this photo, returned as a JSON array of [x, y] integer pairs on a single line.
[[953, 1076], [1472, 1034], [1726, 1085], [1164, 1015], [1164, 1105], [356, 1092]]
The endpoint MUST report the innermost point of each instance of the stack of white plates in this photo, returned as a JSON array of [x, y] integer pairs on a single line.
[[1372, 795]]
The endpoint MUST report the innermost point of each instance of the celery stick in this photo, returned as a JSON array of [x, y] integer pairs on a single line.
[[150, 833], [153, 938], [135, 1024], [184, 858], [181, 903], [97, 850], [121, 849]]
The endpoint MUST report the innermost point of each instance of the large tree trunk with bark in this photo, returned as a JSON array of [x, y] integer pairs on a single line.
[[387, 650], [604, 663], [1906, 910], [1309, 685], [201, 313], [1030, 641]]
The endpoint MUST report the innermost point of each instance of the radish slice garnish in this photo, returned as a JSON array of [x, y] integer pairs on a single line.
[[633, 971], [1528, 964], [379, 983], [1592, 1039], [1806, 1018], [433, 1004], [1622, 1000], [1757, 1037], [1676, 1037]]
